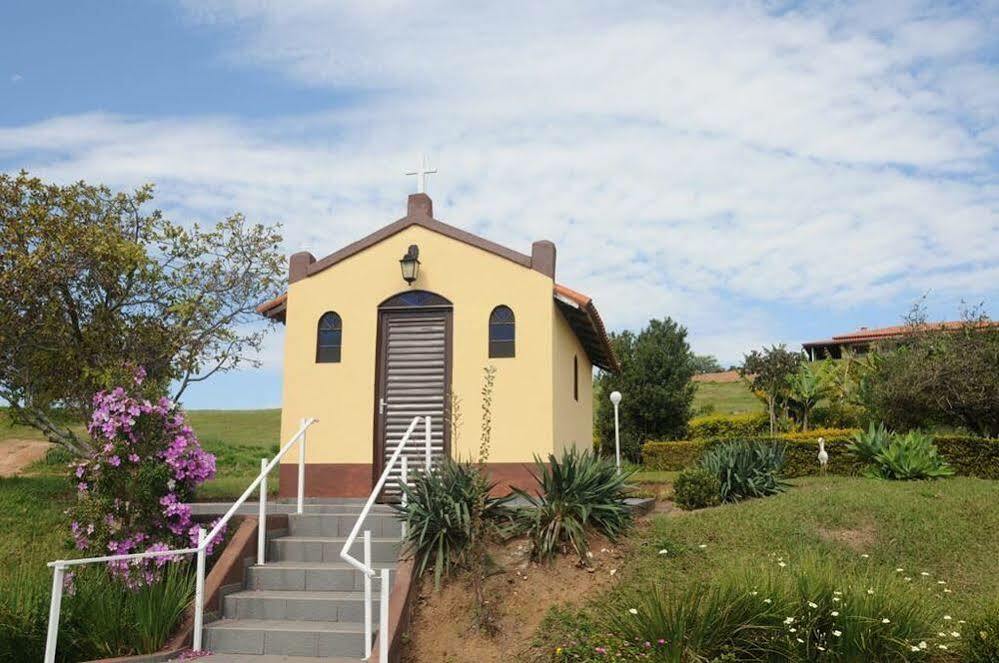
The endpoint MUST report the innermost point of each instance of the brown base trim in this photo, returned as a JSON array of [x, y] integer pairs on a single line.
[[354, 479], [327, 480]]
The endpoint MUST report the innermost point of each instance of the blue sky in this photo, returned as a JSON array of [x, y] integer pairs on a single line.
[[771, 172]]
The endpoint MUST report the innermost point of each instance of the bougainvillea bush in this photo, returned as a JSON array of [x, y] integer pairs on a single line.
[[133, 492]]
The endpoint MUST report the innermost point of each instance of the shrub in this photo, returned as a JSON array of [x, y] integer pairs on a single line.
[[728, 426], [133, 492], [746, 469], [696, 488], [868, 445], [577, 492], [837, 415], [970, 456], [983, 638], [910, 457], [438, 516], [811, 613]]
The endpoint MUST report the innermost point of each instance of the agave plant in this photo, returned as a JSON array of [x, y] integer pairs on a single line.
[[746, 469], [439, 515], [577, 492], [910, 457], [868, 445]]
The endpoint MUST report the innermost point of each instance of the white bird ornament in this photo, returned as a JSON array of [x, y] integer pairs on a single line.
[[823, 455]]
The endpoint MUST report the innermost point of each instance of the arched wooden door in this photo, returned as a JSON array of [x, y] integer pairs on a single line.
[[413, 378]]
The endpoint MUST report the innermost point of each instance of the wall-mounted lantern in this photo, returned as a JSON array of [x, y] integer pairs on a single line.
[[410, 264]]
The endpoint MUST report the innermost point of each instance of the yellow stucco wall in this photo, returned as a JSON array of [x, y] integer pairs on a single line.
[[342, 395], [573, 420]]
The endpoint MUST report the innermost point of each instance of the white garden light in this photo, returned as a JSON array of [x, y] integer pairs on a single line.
[[615, 398]]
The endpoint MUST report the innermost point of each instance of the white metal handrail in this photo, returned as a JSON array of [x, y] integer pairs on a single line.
[[365, 566], [204, 539]]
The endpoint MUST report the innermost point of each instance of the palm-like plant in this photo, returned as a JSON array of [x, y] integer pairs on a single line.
[[809, 385], [578, 492], [746, 469]]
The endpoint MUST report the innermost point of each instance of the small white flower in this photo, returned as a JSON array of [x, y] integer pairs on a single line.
[[948, 617], [834, 613], [820, 647], [789, 620], [870, 591], [886, 621], [837, 633], [800, 640], [703, 545], [781, 564], [913, 648], [838, 593], [865, 555], [941, 582], [907, 579], [835, 599], [923, 573], [922, 644], [941, 646], [753, 593], [942, 634], [633, 611], [613, 571], [947, 591], [767, 601], [955, 634], [663, 552], [813, 605], [793, 630], [899, 570], [961, 621]]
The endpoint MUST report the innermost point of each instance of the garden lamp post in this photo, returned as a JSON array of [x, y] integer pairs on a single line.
[[615, 398]]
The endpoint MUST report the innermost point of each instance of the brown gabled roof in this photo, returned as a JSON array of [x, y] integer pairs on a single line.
[[865, 335], [586, 323], [578, 309]]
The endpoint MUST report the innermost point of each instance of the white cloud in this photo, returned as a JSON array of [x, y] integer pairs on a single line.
[[709, 161]]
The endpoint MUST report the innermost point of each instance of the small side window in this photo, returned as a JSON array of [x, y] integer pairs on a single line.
[[575, 377], [502, 332], [329, 337]]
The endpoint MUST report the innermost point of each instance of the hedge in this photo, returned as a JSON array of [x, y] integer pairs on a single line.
[[969, 456], [749, 424]]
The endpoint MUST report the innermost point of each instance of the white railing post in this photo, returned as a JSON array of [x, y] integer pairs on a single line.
[[301, 470], [367, 595], [199, 591], [405, 496], [262, 516], [383, 611], [426, 436], [55, 606]]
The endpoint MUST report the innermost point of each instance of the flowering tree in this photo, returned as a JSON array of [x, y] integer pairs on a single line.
[[133, 491]]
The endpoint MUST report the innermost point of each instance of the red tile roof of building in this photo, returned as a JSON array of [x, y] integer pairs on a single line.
[[865, 335]]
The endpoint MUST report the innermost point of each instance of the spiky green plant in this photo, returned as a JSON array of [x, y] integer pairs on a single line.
[[867, 445], [576, 493], [438, 513], [911, 457], [746, 469]]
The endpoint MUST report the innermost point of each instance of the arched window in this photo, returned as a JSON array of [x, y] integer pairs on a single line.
[[328, 338], [502, 332]]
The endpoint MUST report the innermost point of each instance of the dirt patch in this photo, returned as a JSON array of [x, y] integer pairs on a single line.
[[723, 377], [858, 538], [15, 455], [442, 629]]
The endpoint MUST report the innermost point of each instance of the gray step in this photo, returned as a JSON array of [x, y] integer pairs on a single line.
[[285, 637], [298, 606], [340, 524], [309, 576], [326, 549]]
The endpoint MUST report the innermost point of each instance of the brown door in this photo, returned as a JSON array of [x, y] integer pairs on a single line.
[[414, 379]]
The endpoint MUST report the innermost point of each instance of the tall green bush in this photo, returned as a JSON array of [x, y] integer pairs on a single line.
[[749, 424], [696, 488]]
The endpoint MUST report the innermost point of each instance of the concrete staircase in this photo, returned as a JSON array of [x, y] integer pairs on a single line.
[[305, 601]]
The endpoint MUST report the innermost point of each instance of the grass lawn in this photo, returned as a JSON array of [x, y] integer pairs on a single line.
[[726, 398], [948, 530]]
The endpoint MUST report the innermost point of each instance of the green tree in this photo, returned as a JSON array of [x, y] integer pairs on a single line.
[[810, 384], [655, 383], [705, 364], [768, 372], [93, 286], [937, 376]]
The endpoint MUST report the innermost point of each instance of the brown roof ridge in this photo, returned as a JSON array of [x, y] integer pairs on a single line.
[[894, 331], [420, 213]]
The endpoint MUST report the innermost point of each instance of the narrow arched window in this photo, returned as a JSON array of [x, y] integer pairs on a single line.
[[575, 377], [502, 332], [328, 338]]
